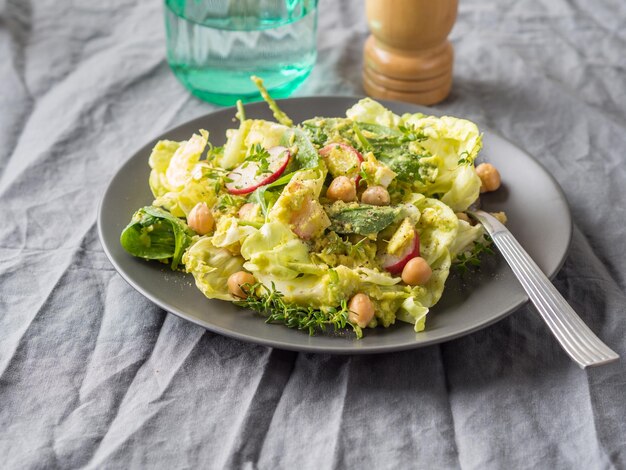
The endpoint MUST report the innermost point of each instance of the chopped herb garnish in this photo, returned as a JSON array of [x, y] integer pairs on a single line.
[[261, 156], [464, 261], [269, 303], [410, 134], [465, 158], [227, 202], [336, 245]]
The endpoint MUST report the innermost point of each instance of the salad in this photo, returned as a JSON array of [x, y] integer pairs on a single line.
[[337, 222]]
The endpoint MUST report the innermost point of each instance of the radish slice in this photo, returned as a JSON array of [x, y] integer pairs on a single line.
[[247, 177], [342, 160], [395, 264]]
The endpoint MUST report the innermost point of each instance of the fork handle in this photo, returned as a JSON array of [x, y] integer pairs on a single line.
[[578, 341]]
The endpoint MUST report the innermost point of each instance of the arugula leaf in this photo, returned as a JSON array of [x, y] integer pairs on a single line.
[[364, 143], [306, 156], [391, 147]]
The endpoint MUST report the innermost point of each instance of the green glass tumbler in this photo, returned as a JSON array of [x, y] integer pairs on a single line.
[[214, 46]]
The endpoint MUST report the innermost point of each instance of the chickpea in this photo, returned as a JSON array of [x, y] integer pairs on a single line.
[[248, 211], [416, 272], [238, 279], [361, 310], [376, 196], [463, 216], [489, 177], [343, 189], [200, 219]]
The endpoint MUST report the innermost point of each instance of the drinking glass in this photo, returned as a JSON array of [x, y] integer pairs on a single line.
[[214, 46]]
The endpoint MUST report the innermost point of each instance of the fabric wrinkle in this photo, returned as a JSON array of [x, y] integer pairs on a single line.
[[93, 375], [260, 409], [337, 451], [5, 362], [446, 382], [149, 401]]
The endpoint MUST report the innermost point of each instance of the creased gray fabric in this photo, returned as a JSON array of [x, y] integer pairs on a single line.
[[93, 375]]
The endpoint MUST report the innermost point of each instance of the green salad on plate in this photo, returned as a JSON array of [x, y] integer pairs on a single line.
[[337, 222]]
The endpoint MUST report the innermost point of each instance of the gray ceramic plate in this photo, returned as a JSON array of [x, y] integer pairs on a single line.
[[538, 216]]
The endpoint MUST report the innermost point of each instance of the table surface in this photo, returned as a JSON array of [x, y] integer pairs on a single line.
[[94, 375]]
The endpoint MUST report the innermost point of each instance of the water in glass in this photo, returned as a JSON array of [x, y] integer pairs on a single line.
[[214, 46]]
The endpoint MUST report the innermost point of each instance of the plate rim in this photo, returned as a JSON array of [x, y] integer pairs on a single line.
[[381, 349]]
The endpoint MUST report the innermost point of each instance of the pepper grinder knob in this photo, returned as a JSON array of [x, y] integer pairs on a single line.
[[408, 56]]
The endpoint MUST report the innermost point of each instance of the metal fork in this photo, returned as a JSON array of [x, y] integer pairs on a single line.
[[578, 341]]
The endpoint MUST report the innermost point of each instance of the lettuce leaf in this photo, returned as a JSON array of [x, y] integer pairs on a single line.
[[435, 154], [159, 161], [464, 189], [430, 293], [454, 143], [372, 112], [251, 132], [180, 203], [229, 232], [176, 179], [267, 134], [275, 251], [184, 159], [466, 235], [437, 227], [211, 267], [235, 148], [413, 312]]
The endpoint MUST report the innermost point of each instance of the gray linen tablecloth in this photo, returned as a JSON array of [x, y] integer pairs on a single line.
[[93, 375]]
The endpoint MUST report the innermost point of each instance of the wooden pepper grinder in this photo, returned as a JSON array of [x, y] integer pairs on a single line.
[[408, 56]]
